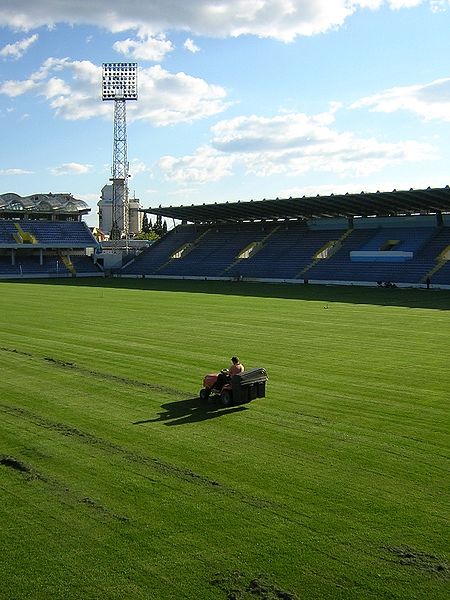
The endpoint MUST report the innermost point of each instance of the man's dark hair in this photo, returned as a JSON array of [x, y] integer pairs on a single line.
[[234, 360]]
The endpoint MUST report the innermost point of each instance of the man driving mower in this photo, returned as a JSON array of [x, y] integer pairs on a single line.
[[220, 383], [235, 385], [225, 375]]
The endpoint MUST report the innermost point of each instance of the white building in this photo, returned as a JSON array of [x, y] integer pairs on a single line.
[[105, 212]]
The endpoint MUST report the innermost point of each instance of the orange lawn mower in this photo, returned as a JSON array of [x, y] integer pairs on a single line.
[[238, 389]]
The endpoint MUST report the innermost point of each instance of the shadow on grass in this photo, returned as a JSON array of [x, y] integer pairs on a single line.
[[408, 297], [191, 410]]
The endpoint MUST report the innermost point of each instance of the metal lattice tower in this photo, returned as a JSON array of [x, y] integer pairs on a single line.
[[121, 205], [120, 84]]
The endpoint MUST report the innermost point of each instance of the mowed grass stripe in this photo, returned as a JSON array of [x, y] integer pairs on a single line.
[[82, 466], [347, 455]]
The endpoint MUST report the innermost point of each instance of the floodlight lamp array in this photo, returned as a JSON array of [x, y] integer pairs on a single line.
[[119, 81]]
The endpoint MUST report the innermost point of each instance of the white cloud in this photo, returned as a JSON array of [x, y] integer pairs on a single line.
[[70, 169], [398, 4], [289, 130], [18, 49], [191, 46], [429, 101], [280, 19], [55, 87], [176, 97], [138, 166], [289, 145], [439, 5], [205, 165], [17, 88], [15, 172], [164, 98], [145, 48], [69, 102]]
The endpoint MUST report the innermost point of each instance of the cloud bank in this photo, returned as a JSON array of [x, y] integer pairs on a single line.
[[18, 49], [70, 169], [15, 171], [280, 19], [291, 145], [429, 101], [146, 48], [72, 89]]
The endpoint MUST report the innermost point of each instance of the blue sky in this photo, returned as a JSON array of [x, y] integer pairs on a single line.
[[238, 99]]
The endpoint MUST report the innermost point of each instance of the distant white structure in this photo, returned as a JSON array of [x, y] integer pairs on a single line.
[[106, 212]]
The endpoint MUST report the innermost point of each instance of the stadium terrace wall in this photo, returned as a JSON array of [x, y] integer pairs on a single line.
[[411, 251], [44, 249]]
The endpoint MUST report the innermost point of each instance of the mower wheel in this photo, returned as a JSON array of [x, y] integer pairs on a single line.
[[204, 394], [226, 398]]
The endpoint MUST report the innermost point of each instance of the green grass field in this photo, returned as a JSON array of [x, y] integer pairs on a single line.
[[118, 483]]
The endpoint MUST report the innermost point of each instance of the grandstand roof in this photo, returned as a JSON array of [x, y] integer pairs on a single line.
[[365, 204], [12, 204]]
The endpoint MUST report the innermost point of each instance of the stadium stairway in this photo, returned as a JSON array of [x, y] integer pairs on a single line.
[[69, 264], [339, 266], [437, 249], [160, 251], [24, 237], [258, 246], [442, 277], [185, 248], [426, 245], [290, 249], [333, 245], [216, 251], [437, 267]]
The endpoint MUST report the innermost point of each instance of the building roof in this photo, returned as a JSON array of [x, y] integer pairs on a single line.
[[11, 203], [428, 201]]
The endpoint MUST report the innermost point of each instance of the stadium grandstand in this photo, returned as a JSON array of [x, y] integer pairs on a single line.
[[383, 238], [43, 235]]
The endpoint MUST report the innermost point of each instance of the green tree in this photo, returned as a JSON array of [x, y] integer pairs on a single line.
[[157, 227], [145, 224], [151, 235]]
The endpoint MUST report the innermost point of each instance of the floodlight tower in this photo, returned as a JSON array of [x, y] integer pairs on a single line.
[[119, 84]]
